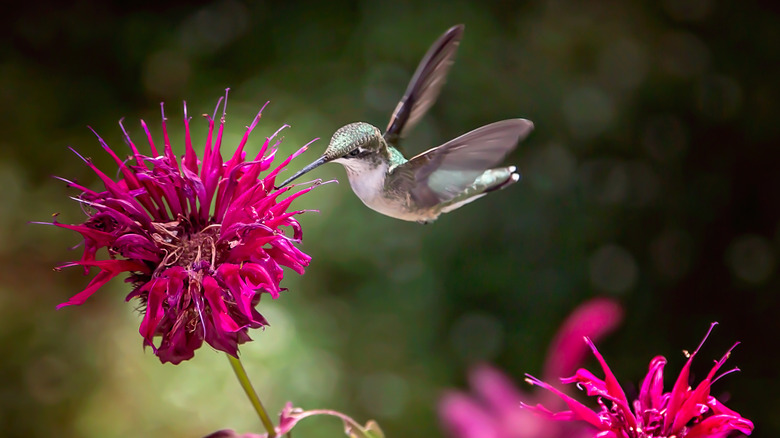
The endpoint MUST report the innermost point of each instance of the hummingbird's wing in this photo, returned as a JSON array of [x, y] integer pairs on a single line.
[[425, 85], [444, 172]]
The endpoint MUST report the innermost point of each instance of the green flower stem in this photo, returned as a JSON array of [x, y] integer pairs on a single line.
[[243, 379]]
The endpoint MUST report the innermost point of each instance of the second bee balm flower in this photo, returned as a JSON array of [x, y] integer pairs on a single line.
[[201, 239]]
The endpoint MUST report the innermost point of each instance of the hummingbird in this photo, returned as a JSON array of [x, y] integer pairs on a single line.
[[438, 180]]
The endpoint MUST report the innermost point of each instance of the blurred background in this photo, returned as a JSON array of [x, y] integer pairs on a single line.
[[652, 178]]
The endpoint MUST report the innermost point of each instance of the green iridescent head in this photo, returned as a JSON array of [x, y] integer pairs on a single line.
[[353, 140], [356, 140]]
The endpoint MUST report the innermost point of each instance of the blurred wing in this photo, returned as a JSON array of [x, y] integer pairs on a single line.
[[441, 174], [425, 85]]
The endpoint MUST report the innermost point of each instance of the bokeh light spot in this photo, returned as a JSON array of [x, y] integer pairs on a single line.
[[688, 10], [213, 27], [588, 111], [751, 259], [165, 74], [612, 269], [47, 379], [665, 137], [718, 97], [682, 54], [551, 169], [10, 195], [316, 374], [283, 332], [477, 336], [604, 180], [623, 64], [384, 394], [671, 253], [644, 184], [384, 85]]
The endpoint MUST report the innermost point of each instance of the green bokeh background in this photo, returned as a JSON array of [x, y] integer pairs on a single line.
[[652, 177]]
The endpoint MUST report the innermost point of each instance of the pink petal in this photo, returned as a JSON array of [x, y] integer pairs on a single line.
[[681, 389], [213, 293], [613, 387], [108, 270], [578, 410], [464, 418], [595, 319], [653, 385]]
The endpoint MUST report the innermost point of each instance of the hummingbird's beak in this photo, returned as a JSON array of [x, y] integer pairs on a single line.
[[320, 161]]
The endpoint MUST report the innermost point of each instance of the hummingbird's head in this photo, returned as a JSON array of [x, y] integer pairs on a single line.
[[354, 141]]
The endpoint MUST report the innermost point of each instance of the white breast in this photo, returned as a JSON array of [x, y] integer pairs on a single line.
[[368, 184]]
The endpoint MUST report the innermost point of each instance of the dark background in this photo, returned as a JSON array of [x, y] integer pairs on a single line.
[[652, 177]]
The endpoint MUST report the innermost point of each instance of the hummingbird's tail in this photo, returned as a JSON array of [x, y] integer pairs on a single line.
[[490, 180], [500, 178]]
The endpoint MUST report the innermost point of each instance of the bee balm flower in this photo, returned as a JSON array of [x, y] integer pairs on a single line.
[[200, 238], [684, 412], [492, 409]]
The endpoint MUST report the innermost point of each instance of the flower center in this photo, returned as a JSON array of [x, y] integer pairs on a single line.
[[199, 246], [192, 251]]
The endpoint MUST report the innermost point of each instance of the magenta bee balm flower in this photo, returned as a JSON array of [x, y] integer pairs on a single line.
[[685, 412], [200, 238], [492, 408]]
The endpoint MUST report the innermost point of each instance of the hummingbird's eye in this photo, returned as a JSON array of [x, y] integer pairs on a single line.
[[354, 152]]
